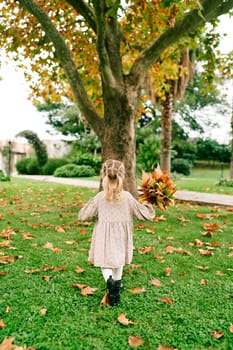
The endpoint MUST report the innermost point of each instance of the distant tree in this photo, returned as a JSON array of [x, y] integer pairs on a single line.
[[38, 145]]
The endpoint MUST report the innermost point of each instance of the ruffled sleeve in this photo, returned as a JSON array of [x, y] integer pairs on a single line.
[[141, 210], [89, 211]]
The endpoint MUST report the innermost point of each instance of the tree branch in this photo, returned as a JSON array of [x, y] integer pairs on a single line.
[[191, 22], [64, 56], [83, 9], [107, 76]]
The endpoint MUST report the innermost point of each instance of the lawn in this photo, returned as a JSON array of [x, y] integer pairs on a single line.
[[204, 180], [178, 291]]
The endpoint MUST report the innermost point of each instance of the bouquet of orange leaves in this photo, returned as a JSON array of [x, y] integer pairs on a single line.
[[157, 188]]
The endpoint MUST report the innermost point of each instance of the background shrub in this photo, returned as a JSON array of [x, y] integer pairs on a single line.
[[33, 167], [52, 164], [181, 166], [73, 170], [88, 159], [28, 166]]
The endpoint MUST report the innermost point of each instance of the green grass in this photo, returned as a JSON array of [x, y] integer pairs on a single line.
[[204, 180], [75, 322]]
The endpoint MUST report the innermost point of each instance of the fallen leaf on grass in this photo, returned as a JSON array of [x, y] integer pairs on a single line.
[[2, 324], [167, 271], [203, 268], [135, 341], [217, 334], [49, 245], [205, 252], [123, 320], [6, 259], [161, 347], [28, 236], [170, 250], [204, 282], [43, 311], [137, 290], [159, 218], [7, 344], [8, 309], [145, 250], [78, 269], [83, 232], [7, 233], [46, 278], [105, 300], [231, 328], [166, 300], [88, 291], [182, 219], [156, 283], [3, 273], [59, 229], [212, 227], [70, 242], [85, 289]]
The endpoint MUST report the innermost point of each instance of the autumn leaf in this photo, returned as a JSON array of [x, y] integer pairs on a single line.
[[43, 311], [85, 289], [88, 291], [2, 325], [140, 226], [167, 271], [161, 347], [46, 278], [27, 236], [166, 300], [156, 283], [6, 259], [204, 282], [137, 290], [78, 285], [159, 218], [123, 320], [105, 300], [205, 252], [203, 268], [70, 242], [78, 269], [59, 229], [217, 334], [135, 341], [212, 227], [3, 273], [146, 250], [231, 328], [182, 219]]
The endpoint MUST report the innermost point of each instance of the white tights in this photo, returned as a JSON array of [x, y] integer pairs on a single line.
[[116, 273]]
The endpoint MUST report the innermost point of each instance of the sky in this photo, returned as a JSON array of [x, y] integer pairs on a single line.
[[17, 113]]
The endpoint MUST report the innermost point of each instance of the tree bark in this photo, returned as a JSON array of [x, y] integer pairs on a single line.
[[166, 127]]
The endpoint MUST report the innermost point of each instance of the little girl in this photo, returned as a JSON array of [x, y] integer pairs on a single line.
[[112, 239]]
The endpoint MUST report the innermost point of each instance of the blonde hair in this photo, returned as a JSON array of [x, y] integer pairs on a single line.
[[113, 173]]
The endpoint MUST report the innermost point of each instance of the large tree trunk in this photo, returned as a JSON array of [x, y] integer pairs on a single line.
[[166, 134], [119, 143], [231, 166]]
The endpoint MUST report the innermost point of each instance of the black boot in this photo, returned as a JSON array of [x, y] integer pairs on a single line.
[[114, 290], [110, 287], [118, 287]]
